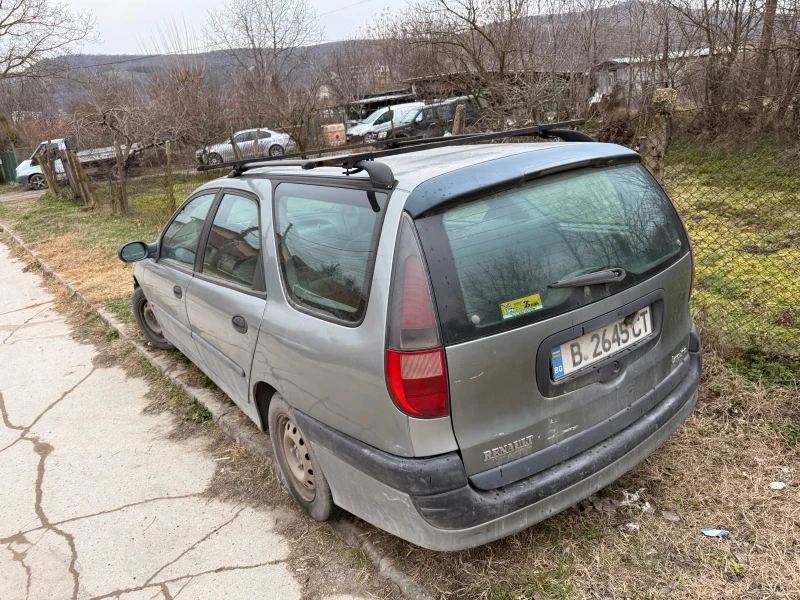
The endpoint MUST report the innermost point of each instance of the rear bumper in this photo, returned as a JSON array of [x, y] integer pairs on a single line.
[[431, 503]]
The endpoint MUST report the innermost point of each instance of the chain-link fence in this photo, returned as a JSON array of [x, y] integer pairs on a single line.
[[741, 205]]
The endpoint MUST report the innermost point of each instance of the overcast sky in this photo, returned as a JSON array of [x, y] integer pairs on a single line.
[[123, 24]]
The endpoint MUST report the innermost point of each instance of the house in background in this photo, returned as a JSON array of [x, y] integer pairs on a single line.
[[630, 81]]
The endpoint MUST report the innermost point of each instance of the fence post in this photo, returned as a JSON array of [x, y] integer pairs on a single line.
[[84, 183], [72, 180], [236, 155], [459, 119], [48, 168], [170, 184], [658, 133], [257, 145]]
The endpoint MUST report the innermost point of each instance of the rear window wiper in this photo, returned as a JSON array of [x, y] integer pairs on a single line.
[[605, 276]]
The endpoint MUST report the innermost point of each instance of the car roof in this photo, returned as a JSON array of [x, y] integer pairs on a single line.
[[414, 168]]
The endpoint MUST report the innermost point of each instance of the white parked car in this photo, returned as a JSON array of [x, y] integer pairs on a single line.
[[29, 172], [270, 143], [366, 131]]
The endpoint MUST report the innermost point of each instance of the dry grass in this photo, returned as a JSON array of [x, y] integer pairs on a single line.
[[714, 472]]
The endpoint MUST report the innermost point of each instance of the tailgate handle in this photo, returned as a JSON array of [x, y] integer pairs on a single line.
[[239, 324]]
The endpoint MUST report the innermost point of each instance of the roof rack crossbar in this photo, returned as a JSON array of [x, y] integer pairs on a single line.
[[379, 173]]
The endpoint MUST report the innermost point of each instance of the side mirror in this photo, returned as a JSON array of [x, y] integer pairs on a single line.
[[34, 161], [133, 252]]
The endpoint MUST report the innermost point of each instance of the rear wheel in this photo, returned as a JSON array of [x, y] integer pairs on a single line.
[[276, 150], [38, 182], [147, 321], [299, 469]]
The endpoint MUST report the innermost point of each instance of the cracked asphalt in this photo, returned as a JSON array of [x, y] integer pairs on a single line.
[[95, 500]]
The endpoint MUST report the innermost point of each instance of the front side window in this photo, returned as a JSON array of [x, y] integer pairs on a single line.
[[180, 240], [507, 248], [327, 239], [234, 242]]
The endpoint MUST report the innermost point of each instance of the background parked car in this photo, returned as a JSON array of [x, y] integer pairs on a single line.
[[270, 143], [29, 172], [431, 120], [380, 119]]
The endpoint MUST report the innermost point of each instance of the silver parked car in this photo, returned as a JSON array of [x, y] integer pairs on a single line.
[[269, 143], [452, 342]]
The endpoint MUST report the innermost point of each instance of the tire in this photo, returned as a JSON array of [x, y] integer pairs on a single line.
[[37, 182], [214, 159], [148, 324], [276, 150], [297, 470]]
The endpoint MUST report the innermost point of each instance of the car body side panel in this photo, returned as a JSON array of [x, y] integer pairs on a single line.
[[227, 353], [330, 371], [158, 282]]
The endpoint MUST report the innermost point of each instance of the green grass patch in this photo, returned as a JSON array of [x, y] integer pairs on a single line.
[[769, 370], [197, 413], [789, 431], [121, 308], [554, 583], [742, 209]]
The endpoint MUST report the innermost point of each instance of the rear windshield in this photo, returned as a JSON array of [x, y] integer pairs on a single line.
[[505, 249]]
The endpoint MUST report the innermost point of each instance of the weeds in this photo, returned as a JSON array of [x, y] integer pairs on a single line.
[[197, 413]]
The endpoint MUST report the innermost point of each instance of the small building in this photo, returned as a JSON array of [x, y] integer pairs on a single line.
[[628, 81]]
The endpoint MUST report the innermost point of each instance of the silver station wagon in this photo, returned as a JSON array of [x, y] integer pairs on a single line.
[[451, 340]]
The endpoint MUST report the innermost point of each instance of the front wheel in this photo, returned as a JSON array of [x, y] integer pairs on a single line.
[[38, 182], [299, 469], [147, 321], [214, 159]]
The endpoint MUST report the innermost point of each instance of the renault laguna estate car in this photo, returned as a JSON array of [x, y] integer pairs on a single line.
[[452, 342]]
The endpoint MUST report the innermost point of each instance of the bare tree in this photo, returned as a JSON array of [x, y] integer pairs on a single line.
[[268, 42], [34, 32]]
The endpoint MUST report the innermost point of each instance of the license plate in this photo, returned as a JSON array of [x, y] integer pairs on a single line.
[[596, 345]]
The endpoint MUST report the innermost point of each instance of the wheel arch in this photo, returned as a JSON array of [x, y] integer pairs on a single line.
[[262, 395]]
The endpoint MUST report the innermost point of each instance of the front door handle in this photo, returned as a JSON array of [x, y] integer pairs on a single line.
[[177, 291], [239, 324]]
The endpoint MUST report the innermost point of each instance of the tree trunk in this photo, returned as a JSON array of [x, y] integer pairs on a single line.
[[764, 47], [170, 184], [123, 179], [459, 119]]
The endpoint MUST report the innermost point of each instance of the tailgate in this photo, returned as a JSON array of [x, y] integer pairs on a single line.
[[538, 371]]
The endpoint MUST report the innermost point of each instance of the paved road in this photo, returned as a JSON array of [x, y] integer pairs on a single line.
[[95, 500]]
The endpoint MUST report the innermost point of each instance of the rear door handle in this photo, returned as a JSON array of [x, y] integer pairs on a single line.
[[239, 324], [177, 291]]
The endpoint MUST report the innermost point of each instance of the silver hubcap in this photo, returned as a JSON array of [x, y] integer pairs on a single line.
[[297, 458], [38, 183], [275, 151], [150, 319], [214, 159]]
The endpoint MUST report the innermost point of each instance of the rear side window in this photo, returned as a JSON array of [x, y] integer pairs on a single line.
[[326, 239], [505, 249]]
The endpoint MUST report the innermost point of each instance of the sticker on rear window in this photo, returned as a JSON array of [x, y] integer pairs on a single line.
[[521, 306]]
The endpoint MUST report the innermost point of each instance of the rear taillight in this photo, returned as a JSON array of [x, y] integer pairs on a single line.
[[416, 372], [417, 382]]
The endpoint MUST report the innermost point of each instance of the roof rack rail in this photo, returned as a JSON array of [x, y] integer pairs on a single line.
[[379, 173]]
